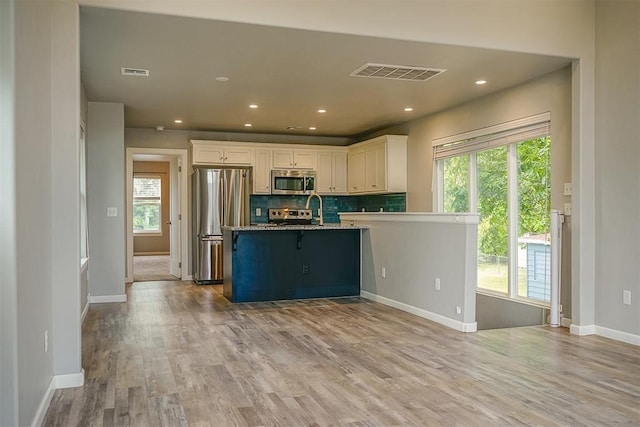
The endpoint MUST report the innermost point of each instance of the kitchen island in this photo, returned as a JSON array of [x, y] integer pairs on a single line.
[[264, 263]]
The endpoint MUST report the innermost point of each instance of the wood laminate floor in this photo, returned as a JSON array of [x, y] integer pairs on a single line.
[[177, 354]]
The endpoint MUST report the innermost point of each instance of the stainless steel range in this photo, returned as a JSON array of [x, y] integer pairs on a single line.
[[290, 216]]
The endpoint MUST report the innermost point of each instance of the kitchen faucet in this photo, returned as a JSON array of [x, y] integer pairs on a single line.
[[313, 193]]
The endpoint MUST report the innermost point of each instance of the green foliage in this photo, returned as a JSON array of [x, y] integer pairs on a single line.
[[146, 217], [492, 201], [534, 192], [456, 182]]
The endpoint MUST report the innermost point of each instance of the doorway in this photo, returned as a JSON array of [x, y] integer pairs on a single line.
[[146, 262]]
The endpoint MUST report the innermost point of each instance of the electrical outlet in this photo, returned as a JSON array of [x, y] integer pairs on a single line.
[[258, 212], [383, 273], [46, 341], [458, 309], [568, 209], [112, 211], [436, 282], [568, 189], [305, 269], [626, 297]]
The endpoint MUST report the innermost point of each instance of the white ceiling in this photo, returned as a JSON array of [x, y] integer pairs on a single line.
[[289, 73]]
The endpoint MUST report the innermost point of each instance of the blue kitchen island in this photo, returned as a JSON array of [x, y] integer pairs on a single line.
[[291, 262]]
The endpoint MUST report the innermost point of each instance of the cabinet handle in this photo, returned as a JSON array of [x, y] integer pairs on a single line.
[[226, 158], [373, 185], [295, 164], [221, 158]]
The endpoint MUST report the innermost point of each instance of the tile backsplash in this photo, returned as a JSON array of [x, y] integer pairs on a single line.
[[331, 205]]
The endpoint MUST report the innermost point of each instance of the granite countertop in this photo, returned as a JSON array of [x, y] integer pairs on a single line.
[[267, 227]]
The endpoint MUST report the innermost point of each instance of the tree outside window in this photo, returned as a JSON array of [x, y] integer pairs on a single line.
[[147, 204]]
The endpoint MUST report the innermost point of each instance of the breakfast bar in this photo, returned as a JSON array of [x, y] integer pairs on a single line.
[[265, 263]]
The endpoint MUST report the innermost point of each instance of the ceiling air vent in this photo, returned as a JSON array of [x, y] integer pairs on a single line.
[[134, 72], [396, 72]]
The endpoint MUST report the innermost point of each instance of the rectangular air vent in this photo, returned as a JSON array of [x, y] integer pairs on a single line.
[[134, 72], [396, 72]]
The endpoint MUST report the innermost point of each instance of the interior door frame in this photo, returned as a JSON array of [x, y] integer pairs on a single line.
[[158, 154]]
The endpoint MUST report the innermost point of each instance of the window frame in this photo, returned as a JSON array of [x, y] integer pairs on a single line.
[[508, 134], [159, 198]]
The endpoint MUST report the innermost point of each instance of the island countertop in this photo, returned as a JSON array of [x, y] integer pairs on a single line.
[[268, 227]]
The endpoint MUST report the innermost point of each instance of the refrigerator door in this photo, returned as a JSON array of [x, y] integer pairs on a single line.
[[236, 196], [210, 260], [208, 201]]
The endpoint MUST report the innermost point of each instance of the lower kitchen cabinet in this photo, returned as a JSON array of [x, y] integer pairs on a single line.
[[274, 265]]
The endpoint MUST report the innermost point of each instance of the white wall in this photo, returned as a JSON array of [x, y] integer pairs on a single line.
[[8, 235], [618, 164], [34, 228], [106, 188], [414, 249]]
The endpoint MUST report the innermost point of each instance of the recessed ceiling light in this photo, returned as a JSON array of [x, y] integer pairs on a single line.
[[248, 125], [407, 109], [177, 121], [222, 79], [322, 110], [481, 82], [253, 105], [312, 128]]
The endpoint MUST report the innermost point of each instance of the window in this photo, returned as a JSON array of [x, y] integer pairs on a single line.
[[503, 174], [147, 204]]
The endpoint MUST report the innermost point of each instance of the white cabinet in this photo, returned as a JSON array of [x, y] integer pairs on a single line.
[[379, 165], [215, 154], [294, 159], [331, 172], [356, 170], [262, 171]]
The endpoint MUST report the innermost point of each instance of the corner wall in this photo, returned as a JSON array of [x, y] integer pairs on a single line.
[[618, 167], [106, 189]]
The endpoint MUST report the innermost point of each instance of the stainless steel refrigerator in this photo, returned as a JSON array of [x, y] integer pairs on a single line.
[[220, 197]]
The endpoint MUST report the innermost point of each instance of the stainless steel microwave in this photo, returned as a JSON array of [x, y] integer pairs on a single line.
[[292, 181]]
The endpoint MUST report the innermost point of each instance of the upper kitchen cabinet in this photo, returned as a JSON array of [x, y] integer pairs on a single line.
[[332, 172], [214, 153], [378, 165], [262, 171], [294, 159]]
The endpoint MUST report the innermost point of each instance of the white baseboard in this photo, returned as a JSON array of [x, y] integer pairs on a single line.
[[100, 299], [565, 322], [614, 334], [188, 277], [38, 419], [85, 310], [438, 318], [582, 330], [69, 380]]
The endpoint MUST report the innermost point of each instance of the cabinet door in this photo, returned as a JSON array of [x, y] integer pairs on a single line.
[[356, 172], [208, 155], [370, 168], [237, 156], [339, 181], [304, 159], [380, 183], [282, 159], [324, 172], [262, 172]]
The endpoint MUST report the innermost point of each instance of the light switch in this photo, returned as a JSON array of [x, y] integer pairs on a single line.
[[568, 209], [568, 189], [258, 212], [112, 211]]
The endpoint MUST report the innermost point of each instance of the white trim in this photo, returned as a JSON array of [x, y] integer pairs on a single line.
[[618, 335], [582, 330], [101, 299], [38, 418], [69, 380], [434, 317], [513, 124], [164, 153], [565, 322], [457, 218], [151, 253], [85, 310]]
